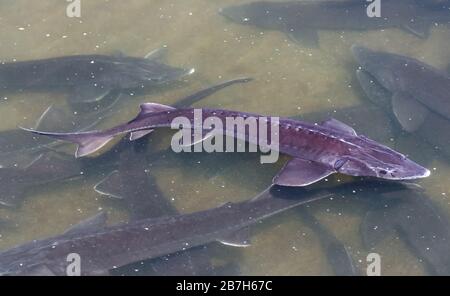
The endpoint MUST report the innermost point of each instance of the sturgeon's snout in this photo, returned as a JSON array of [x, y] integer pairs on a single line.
[[409, 171], [420, 171], [174, 74], [360, 53]]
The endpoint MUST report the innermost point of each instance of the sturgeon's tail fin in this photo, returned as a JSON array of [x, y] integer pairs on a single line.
[[88, 142]]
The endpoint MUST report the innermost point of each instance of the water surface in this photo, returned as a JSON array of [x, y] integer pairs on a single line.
[[290, 80]]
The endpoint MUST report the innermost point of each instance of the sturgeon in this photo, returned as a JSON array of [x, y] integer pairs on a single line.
[[103, 248], [301, 20], [318, 149]]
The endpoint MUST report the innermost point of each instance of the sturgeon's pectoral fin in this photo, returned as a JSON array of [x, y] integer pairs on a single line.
[[418, 28], [91, 145], [139, 134], [110, 186], [298, 172], [339, 126], [87, 94], [157, 54], [409, 112], [309, 38], [240, 238], [374, 228], [96, 222], [374, 91], [53, 118]]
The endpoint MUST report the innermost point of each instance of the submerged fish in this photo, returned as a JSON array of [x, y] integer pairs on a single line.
[[88, 78], [435, 4], [104, 248], [134, 185], [417, 221], [416, 89], [319, 150], [18, 147], [302, 19], [336, 252], [359, 117], [45, 168], [416, 94], [3, 222], [26, 159]]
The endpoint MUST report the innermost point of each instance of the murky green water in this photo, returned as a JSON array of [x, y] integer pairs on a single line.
[[289, 80]]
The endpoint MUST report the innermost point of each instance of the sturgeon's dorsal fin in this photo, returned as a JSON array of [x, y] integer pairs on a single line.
[[148, 108], [299, 172], [92, 223], [410, 113], [240, 238], [339, 126]]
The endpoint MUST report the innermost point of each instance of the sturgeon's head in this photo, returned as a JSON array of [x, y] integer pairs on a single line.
[[387, 69], [161, 73], [372, 159], [134, 72]]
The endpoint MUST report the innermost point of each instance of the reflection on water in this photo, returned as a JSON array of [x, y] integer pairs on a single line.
[[406, 225]]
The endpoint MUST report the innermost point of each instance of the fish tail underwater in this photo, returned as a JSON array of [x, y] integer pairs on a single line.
[[351, 98]]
